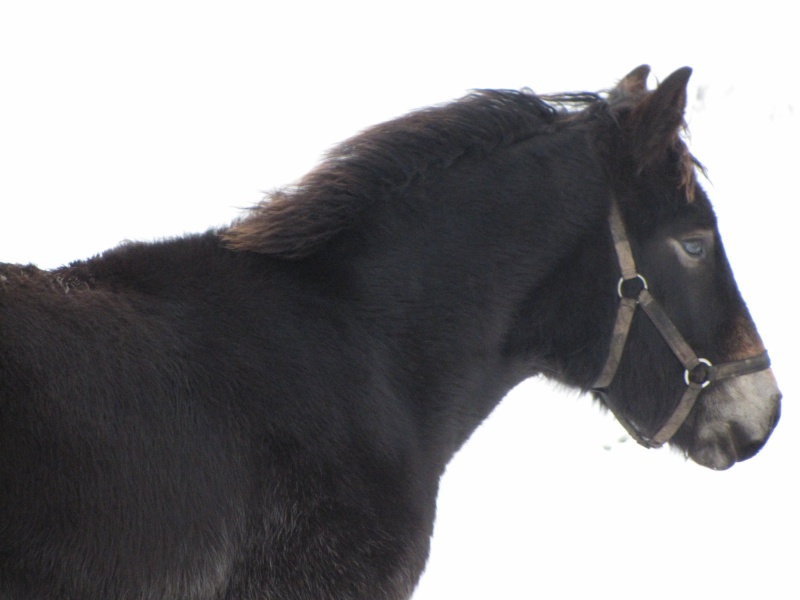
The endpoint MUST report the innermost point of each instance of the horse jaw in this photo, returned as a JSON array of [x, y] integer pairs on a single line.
[[735, 419]]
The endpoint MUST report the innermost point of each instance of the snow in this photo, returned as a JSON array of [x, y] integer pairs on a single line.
[[152, 119]]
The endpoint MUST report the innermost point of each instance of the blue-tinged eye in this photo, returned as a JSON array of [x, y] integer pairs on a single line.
[[694, 247]]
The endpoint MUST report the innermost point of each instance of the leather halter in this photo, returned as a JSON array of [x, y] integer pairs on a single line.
[[699, 374]]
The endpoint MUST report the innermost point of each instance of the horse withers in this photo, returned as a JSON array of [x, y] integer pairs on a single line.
[[264, 411]]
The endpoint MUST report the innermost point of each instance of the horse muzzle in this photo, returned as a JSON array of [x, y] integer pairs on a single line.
[[735, 419]]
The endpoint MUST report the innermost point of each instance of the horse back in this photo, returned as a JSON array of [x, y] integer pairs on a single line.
[[179, 416]]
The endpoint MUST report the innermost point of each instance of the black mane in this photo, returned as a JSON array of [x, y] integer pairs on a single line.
[[294, 222]]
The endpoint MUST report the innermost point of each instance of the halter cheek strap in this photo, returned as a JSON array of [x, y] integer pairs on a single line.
[[699, 372]]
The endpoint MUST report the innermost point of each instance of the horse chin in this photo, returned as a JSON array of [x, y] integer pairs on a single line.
[[735, 420], [718, 453]]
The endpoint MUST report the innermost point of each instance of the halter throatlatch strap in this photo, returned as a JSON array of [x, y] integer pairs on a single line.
[[627, 303], [699, 373]]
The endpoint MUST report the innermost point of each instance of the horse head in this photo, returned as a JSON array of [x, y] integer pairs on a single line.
[[690, 368]]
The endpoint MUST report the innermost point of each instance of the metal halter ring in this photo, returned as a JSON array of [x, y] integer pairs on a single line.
[[623, 280], [707, 382]]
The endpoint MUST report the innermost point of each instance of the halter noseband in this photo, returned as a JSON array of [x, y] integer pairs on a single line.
[[699, 373]]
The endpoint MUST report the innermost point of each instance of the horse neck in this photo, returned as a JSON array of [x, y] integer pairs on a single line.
[[463, 278]]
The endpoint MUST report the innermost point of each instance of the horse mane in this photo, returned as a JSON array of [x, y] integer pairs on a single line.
[[294, 222]]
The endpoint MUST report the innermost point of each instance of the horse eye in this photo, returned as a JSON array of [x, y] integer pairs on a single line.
[[694, 247]]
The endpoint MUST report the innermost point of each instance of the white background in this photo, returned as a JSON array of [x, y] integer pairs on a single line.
[[150, 119]]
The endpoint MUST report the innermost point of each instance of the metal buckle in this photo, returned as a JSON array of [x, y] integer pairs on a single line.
[[687, 372], [623, 280]]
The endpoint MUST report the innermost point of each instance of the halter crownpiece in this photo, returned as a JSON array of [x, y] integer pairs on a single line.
[[699, 372]]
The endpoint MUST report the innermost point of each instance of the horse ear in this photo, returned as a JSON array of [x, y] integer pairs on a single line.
[[633, 84], [655, 123]]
